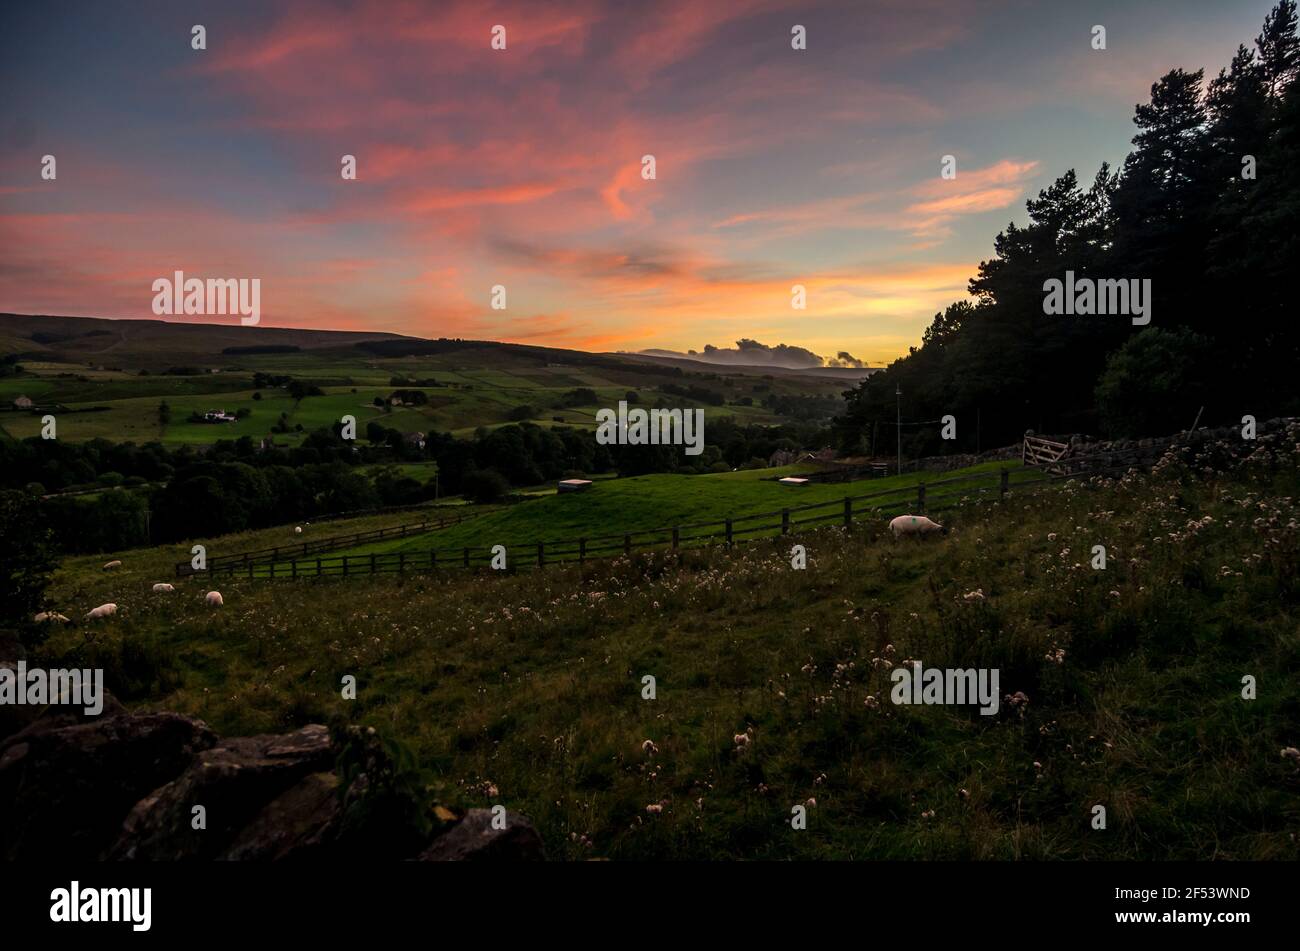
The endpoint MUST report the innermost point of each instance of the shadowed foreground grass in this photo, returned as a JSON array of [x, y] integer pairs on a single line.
[[526, 689]]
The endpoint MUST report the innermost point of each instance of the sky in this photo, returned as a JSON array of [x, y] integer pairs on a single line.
[[523, 167]]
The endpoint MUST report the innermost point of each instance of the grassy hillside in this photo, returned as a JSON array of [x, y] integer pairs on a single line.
[[95, 369], [645, 503], [526, 689]]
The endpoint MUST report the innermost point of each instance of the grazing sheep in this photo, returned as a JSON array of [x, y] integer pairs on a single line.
[[104, 610], [112, 564], [917, 525], [46, 617], [297, 530], [214, 598], [164, 586]]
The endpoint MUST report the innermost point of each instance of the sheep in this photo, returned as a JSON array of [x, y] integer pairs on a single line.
[[163, 587], [297, 529], [46, 617], [214, 598], [104, 610], [917, 525], [112, 564]]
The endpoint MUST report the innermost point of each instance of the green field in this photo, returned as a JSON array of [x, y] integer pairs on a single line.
[[525, 688], [646, 503], [112, 382]]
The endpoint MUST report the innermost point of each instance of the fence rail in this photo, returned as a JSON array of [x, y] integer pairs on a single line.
[[218, 564], [1039, 450], [731, 531]]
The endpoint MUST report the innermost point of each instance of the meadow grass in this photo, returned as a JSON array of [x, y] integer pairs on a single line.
[[525, 688], [482, 387], [651, 502]]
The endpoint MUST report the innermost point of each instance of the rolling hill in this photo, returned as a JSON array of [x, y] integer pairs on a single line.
[[108, 376]]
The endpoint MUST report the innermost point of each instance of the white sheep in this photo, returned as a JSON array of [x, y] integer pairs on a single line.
[[164, 586], [48, 616], [917, 525], [112, 564], [297, 530], [104, 610], [214, 598]]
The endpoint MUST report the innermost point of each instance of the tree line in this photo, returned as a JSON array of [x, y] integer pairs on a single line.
[[1205, 206], [185, 492]]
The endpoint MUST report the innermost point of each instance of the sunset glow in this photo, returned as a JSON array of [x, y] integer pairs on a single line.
[[522, 167]]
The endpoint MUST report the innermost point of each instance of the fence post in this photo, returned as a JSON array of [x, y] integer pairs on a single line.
[[401, 562], [372, 563], [466, 557], [627, 544], [433, 558], [728, 533], [848, 512], [677, 536], [294, 563], [785, 521], [541, 555], [582, 550], [920, 496], [1006, 478], [250, 569], [345, 564], [318, 571]]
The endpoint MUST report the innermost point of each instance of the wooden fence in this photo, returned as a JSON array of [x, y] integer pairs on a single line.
[[1040, 451], [228, 564], [923, 497]]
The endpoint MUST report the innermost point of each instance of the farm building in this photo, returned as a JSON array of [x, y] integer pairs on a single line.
[[218, 416], [792, 480], [573, 485], [414, 439]]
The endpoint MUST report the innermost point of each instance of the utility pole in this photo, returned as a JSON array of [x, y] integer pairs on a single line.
[[898, 393]]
